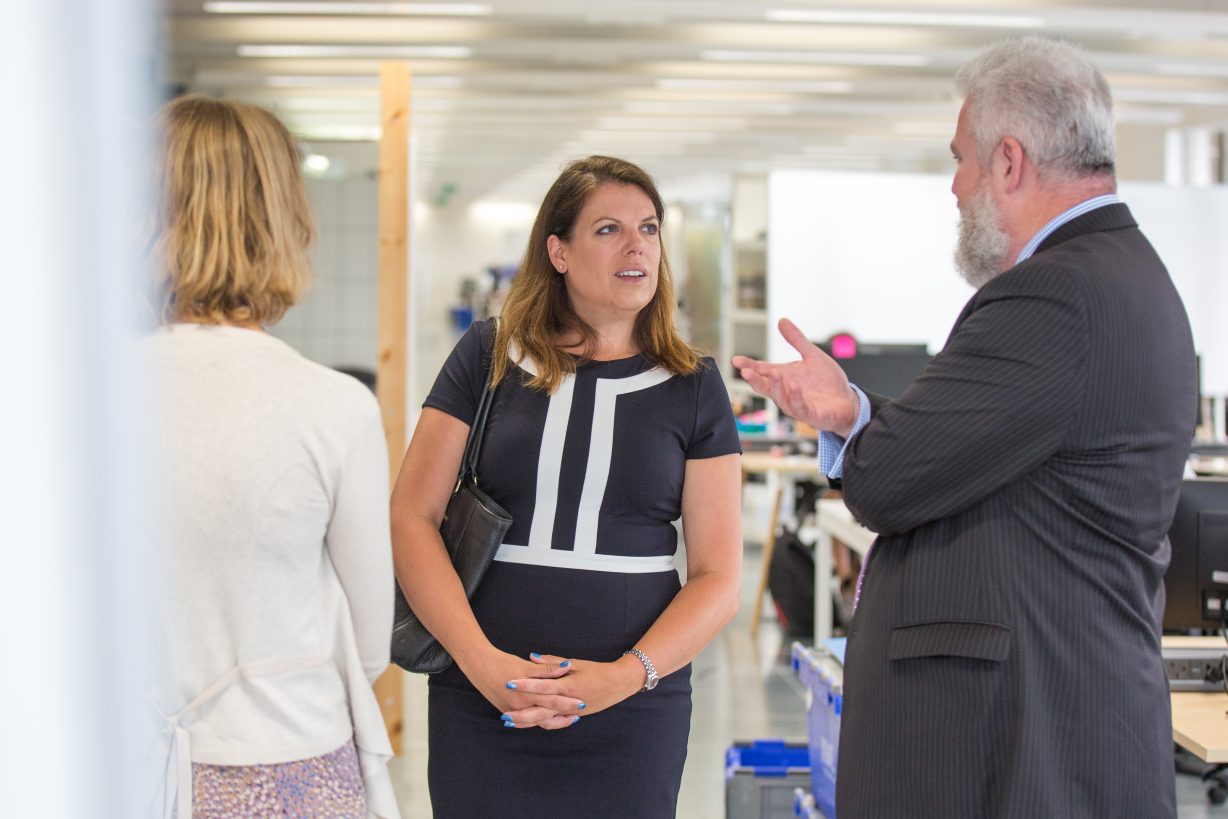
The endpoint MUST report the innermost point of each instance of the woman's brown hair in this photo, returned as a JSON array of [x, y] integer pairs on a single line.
[[231, 229], [538, 312]]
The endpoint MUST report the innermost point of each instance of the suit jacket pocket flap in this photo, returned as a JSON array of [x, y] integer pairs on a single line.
[[978, 641]]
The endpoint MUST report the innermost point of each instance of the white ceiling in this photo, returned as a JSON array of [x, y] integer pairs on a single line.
[[508, 90]]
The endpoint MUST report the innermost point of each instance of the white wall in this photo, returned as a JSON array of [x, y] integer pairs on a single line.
[[336, 324], [872, 254], [452, 243]]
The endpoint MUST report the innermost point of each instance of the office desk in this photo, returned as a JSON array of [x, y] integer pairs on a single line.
[[1209, 466], [775, 467], [765, 463], [1200, 724], [835, 522], [1200, 720]]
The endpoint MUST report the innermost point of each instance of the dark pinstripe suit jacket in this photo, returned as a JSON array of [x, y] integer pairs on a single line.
[[1004, 660]]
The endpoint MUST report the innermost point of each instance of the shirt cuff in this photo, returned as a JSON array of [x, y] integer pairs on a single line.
[[832, 447]]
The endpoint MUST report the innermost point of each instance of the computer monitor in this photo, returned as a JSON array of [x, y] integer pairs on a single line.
[[1196, 583], [886, 369]]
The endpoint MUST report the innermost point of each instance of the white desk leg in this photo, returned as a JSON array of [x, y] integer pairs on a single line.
[[822, 586]]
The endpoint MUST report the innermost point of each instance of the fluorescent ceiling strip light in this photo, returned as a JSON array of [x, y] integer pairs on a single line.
[[1193, 69], [1168, 97], [640, 137], [320, 81], [370, 51], [821, 57], [587, 147], [440, 81], [314, 104], [904, 18], [437, 9], [673, 124], [1148, 115], [760, 107], [350, 81], [337, 133], [927, 129], [807, 86]]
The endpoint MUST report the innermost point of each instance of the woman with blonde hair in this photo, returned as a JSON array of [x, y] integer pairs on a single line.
[[275, 591], [604, 429]]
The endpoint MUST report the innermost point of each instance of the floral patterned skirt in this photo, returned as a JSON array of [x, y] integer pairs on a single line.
[[327, 787]]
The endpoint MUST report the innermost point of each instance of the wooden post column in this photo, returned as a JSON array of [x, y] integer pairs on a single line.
[[393, 360]]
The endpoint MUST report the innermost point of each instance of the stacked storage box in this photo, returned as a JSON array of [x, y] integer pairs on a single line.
[[822, 676], [761, 777]]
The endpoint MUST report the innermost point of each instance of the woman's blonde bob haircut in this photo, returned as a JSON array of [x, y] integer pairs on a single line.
[[231, 229], [538, 315]]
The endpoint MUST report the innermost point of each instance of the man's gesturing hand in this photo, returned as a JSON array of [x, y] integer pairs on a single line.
[[814, 390]]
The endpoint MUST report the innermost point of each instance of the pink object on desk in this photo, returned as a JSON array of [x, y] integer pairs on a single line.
[[843, 346]]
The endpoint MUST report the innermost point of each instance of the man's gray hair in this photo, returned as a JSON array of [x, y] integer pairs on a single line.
[[1048, 95]]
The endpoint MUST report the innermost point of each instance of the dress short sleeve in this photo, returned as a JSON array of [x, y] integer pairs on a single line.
[[458, 387], [715, 432]]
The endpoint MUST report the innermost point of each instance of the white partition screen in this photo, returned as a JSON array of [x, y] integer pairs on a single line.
[[864, 253], [871, 254]]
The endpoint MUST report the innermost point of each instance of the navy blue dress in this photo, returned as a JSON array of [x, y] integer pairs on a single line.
[[592, 476]]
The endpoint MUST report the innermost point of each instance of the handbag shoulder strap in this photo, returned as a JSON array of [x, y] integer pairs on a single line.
[[477, 430]]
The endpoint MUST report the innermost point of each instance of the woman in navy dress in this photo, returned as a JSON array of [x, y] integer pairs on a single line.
[[605, 429]]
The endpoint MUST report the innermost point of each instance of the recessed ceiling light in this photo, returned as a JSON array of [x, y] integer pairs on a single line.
[[823, 57], [439, 9], [316, 164], [370, 51], [904, 18]]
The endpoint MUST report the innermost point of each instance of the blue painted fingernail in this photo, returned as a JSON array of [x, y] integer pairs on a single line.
[[506, 717], [535, 655], [511, 685], [582, 706], [565, 663], [509, 724], [575, 719]]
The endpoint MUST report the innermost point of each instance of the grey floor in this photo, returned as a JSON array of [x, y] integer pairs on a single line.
[[743, 690]]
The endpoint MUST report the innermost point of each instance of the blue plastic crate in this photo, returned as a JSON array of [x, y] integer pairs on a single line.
[[823, 678], [761, 777]]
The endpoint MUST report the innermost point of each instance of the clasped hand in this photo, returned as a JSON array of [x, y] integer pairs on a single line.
[[554, 692]]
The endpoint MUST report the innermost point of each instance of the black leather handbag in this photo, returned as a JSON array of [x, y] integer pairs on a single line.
[[473, 528]]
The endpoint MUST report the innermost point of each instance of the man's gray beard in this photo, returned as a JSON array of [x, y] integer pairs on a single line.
[[983, 245]]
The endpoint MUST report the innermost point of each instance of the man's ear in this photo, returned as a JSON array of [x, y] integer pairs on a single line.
[[556, 248], [1008, 164]]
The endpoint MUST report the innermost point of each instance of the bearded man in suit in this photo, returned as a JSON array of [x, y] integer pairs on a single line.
[[1004, 658]]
